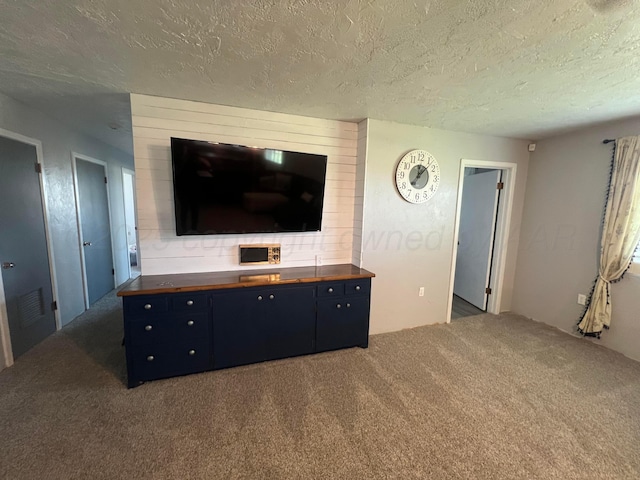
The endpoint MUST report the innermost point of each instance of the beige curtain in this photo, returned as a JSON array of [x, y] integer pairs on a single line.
[[620, 233]]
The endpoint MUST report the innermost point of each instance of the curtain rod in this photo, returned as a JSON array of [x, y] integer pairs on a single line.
[[608, 140]]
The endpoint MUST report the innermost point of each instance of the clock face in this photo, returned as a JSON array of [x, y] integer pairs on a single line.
[[417, 176]]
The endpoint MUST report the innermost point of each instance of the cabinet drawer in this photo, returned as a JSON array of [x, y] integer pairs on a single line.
[[159, 329], [331, 289], [355, 287], [145, 305], [189, 302], [167, 360]]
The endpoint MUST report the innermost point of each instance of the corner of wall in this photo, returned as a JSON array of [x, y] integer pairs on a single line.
[[358, 213]]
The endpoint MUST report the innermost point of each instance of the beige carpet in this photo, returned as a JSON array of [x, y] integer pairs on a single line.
[[487, 397]]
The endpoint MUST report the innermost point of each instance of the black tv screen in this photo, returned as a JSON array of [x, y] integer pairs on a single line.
[[221, 189]]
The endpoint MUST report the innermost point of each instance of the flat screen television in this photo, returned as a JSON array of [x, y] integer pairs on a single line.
[[223, 189]]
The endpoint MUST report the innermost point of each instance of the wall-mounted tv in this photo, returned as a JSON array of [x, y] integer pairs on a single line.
[[222, 189]]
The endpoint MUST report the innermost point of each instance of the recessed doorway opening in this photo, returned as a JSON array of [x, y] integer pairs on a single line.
[[483, 215]]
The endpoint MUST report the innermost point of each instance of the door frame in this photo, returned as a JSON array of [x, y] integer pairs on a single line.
[[78, 156], [128, 171], [501, 237], [5, 334]]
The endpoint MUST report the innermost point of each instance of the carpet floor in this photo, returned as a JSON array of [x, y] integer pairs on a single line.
[[486, 397]]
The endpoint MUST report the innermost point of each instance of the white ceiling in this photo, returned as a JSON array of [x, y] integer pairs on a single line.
[[518, 68]]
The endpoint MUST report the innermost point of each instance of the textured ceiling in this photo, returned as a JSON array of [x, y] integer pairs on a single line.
[[519, 68]]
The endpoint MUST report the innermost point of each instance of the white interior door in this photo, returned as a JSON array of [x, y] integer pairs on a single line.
[[475, 238]]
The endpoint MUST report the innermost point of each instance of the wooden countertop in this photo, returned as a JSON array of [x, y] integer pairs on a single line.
[[191, 282]]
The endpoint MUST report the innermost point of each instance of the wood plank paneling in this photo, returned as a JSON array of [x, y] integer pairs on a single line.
[[156, 120], [140, 101]]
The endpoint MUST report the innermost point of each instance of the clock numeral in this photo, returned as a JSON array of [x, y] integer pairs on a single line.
[[418, 196], [404, 184], [432, 188], [413, 159], [431, 159], [433, 168], [421, 156], [401, 174], [406, 166], [426, 195], [436, 178]]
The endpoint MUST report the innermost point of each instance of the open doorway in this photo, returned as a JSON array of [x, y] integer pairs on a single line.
[[131, 230], [485, 195]]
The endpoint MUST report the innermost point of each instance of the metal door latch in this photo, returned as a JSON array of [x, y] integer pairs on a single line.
[[8, 265]]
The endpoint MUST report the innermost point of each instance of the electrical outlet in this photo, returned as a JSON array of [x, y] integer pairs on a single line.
[[582, 299], [421, 292]]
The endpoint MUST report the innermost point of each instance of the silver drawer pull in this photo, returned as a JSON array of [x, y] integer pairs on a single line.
[[147, 306], [259, 297], [348, 305], [271, 297], [190, 323], [330, 290], [189, 302], [338, 306], [192, 352], [148, 328], [357, 288], [150, 358]]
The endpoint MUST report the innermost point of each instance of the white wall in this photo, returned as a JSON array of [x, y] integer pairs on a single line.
[[408, 246], [156, 120], [58, 142], [560, 236]]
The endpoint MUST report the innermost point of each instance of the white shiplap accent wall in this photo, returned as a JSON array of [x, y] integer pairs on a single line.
[[156, 120], [358, 209]]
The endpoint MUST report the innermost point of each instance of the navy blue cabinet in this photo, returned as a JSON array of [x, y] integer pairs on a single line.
[[166, 335], [258, 324], [342, 322], [169, 334]]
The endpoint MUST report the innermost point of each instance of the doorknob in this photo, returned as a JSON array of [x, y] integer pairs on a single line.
[[8, 265], [86, 244]]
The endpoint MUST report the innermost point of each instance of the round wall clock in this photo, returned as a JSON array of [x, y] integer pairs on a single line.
[[417, 176]]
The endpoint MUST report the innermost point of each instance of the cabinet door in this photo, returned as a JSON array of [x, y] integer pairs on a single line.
[[342, 322], [262, 324], [238, 331], [290, 324]]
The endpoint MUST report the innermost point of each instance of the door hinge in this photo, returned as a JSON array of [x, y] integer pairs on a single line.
[[488, 291], [105, 179], [38, 167], [500, 185], [54, 305], [113, 271]]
